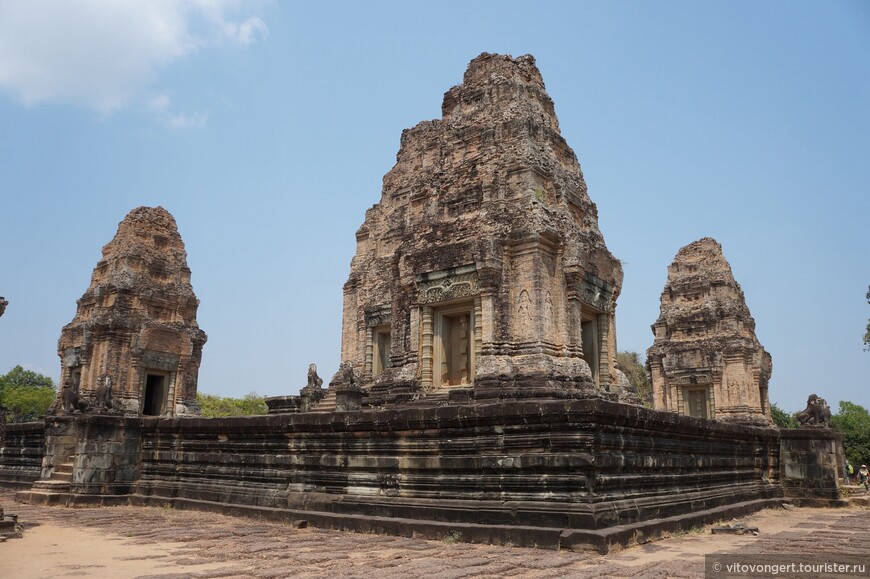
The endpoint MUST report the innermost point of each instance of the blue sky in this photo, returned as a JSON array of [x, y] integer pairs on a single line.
[[266, 128]]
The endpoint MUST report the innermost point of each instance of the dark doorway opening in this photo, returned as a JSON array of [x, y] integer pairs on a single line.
[[155, 394]]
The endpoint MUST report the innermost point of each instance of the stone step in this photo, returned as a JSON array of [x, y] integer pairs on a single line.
[[327, 404], [51, 486], [850, 490], [65, 468], [859, 501]]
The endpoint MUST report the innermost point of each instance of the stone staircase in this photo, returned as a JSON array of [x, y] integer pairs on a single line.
[[58, 482], [856, 495], [327, 403]]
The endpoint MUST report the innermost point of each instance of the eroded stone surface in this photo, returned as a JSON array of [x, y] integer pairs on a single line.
[[134, 344], [482, 268], [706, 360]]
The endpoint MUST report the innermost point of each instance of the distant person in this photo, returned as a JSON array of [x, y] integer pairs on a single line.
[[864, 476], [849, 472]]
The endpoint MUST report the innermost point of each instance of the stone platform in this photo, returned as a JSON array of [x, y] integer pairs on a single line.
[[557, 474]]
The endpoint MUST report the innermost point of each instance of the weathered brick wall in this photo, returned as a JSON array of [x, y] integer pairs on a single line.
[[21, 455], [812, 461], [588, 464]]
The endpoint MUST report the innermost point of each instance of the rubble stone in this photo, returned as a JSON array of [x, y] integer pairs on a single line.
[[134, 345], [706, 360]]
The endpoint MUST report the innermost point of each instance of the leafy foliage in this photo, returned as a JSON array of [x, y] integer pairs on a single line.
[[635, 371], [782, 418], [212, 406], [853, 421], [26, 394]]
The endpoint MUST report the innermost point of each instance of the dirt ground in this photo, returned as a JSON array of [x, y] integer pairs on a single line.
[[126, 542]]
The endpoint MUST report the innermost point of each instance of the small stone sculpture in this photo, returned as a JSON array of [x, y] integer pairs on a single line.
[[348, 393], [313, 392], [70, 399], [314, 381], [104, 395], [817, 412]]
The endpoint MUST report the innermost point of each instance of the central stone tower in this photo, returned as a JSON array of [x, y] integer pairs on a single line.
[[482, 272]]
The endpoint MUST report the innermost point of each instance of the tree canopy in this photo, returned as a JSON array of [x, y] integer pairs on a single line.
[[26, 394], [781, 418], [212, 406], [853, 421], [635, 371]]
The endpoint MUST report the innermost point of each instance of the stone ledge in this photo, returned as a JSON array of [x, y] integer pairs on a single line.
[[600, 540]]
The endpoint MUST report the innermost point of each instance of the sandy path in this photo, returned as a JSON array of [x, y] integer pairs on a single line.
[[123, 542]]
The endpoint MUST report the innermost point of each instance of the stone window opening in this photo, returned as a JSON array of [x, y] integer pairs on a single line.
[[591, 346], [380, 349], [155, 390]]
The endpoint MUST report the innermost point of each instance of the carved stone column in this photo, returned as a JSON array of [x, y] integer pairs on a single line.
[[426, 351], [604, 351]]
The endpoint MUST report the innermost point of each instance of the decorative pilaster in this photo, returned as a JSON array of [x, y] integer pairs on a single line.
[[427, 351], [604, 351]]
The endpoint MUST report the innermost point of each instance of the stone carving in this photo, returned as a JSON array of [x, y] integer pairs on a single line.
[[817, 412], [706, 359], [314, 381], [103, 401], [379, 316], [70, 400], [345, 383], [481, 203], [523, 306], [448, 288], [134, 343], [597, 294]]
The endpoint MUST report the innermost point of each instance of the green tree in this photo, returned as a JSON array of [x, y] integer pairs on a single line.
[[782, 418], [854, 422], [26, 394], [212, 406], [635, 371]]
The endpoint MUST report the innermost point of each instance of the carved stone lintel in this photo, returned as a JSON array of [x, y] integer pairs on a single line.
[[596, 293], [450, 286], [378, 316]]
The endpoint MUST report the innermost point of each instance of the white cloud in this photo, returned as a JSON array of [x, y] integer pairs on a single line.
[[103, 54], [185, 121], [248, 31], [161, 106]]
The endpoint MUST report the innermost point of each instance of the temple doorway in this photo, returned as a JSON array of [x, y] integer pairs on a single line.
[[589, 335], [155, 394], [454, 346], [696, 402], [380, 350]]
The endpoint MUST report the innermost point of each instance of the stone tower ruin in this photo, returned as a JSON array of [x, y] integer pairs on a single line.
[[482, 271], [135, 328], [706, 361]]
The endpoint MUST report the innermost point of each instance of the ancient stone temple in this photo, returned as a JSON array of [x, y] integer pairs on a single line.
[[482, 272], [706, 361], [134, 344]]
